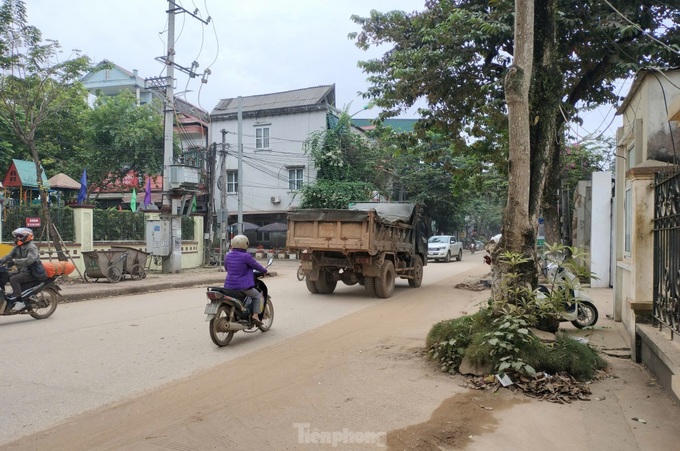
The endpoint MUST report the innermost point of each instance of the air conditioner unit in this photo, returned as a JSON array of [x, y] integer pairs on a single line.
[[275, 200]]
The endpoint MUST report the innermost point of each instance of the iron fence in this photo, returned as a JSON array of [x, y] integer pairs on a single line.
[[14, 216], [666, 303]]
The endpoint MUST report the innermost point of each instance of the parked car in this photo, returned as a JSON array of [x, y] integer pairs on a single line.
[[444, 247]]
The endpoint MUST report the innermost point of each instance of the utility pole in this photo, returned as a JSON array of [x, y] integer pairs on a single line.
[[174, 263], [224, 223], [239, 116], [171, 220]]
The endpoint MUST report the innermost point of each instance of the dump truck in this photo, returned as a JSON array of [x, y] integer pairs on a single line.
[[370, 244]]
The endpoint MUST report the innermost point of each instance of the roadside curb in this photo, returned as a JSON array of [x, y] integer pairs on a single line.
[[81, 293]]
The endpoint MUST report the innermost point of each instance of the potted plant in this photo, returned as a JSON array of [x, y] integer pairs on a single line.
[[270, 253], [281, 253], [259, 252]]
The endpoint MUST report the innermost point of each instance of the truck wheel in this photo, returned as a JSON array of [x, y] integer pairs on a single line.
[[311, 286], [459, 257], [448, 257], [384, 286], [326, 284], [417, 273], [369, 286]]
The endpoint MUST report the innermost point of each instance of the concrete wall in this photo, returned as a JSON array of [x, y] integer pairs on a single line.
[[192, 251], [600, 229], [646, 143]]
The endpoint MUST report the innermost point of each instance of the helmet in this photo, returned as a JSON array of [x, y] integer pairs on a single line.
[[240, 242], [22, 235]]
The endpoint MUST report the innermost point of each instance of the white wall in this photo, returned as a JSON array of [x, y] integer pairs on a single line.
[[601, 229], [265, 172]]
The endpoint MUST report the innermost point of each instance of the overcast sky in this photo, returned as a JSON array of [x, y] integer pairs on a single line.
[[250, 46]]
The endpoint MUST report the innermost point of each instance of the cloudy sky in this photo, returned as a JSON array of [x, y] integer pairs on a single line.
[[250, 46]]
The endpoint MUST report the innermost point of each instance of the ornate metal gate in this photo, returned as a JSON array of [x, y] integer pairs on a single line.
[[667, 250]]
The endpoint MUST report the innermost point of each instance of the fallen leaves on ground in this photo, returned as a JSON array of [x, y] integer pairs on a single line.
[[558, 388]]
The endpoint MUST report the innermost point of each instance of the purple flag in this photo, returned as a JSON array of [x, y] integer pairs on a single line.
[[82, 193], [147, 194]]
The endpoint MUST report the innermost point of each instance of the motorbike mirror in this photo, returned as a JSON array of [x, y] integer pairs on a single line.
[[270, 261]]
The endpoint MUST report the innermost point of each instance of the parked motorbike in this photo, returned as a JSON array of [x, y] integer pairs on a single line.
[[40, 298], [579, 309], [229, 311]]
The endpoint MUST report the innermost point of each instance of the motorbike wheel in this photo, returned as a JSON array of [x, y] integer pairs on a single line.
[[417, 273], [300, 274], [43, 304], [220, 338], [267, 317], [587, 315]]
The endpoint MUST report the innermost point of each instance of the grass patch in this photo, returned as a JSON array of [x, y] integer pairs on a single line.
[[504, 343]]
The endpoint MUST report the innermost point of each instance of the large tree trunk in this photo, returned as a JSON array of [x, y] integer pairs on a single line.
[[547, 123], [518, 232]]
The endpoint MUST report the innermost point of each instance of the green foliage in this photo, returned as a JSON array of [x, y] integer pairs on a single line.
[[124, 137], [349, 167], [499, 336], [507, 345], [335, 195], [14, 216], [187, 228], [580, 161], [115, 225]]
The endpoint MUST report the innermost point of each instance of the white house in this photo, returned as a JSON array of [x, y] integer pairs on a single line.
[[274, 164], [647, 232]]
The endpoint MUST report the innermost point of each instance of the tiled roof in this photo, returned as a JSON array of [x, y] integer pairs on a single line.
[[318, 95]]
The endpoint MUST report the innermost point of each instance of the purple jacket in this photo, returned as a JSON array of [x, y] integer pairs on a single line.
[[239, 265]]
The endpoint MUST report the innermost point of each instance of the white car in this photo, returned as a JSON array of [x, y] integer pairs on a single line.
[[444, 247]]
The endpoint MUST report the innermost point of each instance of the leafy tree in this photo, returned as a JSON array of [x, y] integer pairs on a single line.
[[455, 55], [123, 137], [35, 83], [349, 167]]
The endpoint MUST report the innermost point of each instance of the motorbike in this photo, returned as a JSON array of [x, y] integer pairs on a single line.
[[473, 247], [229, 311], [40, 297], [579, 309]]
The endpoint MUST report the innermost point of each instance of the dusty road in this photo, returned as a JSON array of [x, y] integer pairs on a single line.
[[360, 382]]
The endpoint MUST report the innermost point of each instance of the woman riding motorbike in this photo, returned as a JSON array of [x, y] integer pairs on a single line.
[[239, 265]]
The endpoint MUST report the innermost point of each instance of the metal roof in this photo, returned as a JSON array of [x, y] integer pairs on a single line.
[[25, 171], [316, 96]]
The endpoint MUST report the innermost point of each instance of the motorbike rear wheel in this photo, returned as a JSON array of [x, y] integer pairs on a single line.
[[587, 315], [267, 317], [218, 337], [43, 304]]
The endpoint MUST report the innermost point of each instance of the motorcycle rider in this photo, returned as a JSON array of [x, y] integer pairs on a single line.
[[239, 265], [26, 258]]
